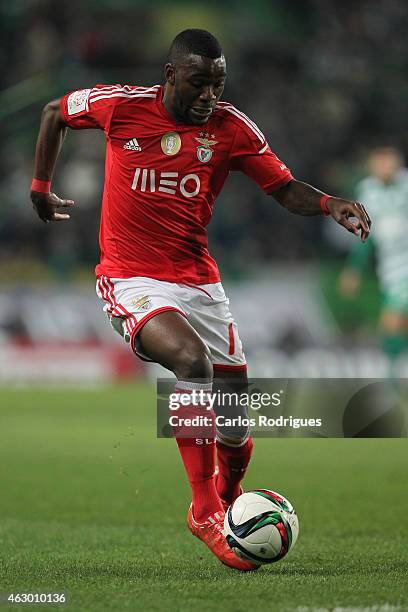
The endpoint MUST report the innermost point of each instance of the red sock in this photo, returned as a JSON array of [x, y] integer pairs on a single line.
[[198, 455], [232, 462], [199, 463]]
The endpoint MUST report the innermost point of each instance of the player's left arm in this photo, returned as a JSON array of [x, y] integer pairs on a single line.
[[252, 155], [303, 199]]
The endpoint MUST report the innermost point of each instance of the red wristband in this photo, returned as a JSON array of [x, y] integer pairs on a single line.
[[41, 186], [323, 204]]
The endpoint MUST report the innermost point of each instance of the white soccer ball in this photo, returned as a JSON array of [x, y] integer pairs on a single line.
[[261, 526]]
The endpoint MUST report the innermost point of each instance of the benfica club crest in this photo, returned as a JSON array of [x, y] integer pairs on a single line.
[[204, 151], [143, 303]]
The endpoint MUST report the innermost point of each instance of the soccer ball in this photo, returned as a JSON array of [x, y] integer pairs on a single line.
[[261, 526]]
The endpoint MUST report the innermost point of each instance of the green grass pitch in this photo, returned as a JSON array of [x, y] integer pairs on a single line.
[[91, 503]]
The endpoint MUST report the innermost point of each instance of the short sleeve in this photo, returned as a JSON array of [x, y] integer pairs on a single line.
[[252, 155], [90, 108]]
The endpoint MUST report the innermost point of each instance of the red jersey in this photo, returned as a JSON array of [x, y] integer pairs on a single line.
[[162, 178]]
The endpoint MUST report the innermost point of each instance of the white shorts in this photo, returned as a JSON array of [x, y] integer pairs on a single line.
[[131, 302]]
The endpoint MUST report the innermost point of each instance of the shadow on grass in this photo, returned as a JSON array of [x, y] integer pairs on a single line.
[[134, 571], [158, 570]]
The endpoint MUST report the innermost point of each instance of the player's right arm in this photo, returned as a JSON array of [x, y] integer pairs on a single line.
[[82, 109], [49, 142]]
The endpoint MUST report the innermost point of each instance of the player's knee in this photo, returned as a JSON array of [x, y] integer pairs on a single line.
[[194, 361], [233, 436]]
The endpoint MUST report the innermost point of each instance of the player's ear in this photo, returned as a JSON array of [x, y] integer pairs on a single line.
[[169, 73]]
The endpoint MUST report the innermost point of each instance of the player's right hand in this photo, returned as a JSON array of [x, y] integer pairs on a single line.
[[47, 205]]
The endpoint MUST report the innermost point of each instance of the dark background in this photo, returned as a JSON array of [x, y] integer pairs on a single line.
[[324, 81]]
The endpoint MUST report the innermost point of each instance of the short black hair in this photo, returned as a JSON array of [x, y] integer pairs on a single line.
[[386, 150], [194, 41]]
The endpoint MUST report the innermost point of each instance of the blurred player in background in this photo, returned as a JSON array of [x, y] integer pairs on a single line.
[[169, 151], [385, 192]]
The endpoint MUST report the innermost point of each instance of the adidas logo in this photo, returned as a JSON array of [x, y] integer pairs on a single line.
[[216, 518], [132, 145]]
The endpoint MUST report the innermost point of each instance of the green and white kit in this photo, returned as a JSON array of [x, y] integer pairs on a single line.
[[387, 205]]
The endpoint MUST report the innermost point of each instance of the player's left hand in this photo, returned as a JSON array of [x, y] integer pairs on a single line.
[[342, 210]]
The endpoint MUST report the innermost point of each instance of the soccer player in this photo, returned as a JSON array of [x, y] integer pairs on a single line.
[[169, 151], [385, 192]]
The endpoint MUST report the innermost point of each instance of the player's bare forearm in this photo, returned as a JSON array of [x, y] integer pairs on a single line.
[[50, 138], [303, 199], [49, 142], [299, 198]]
